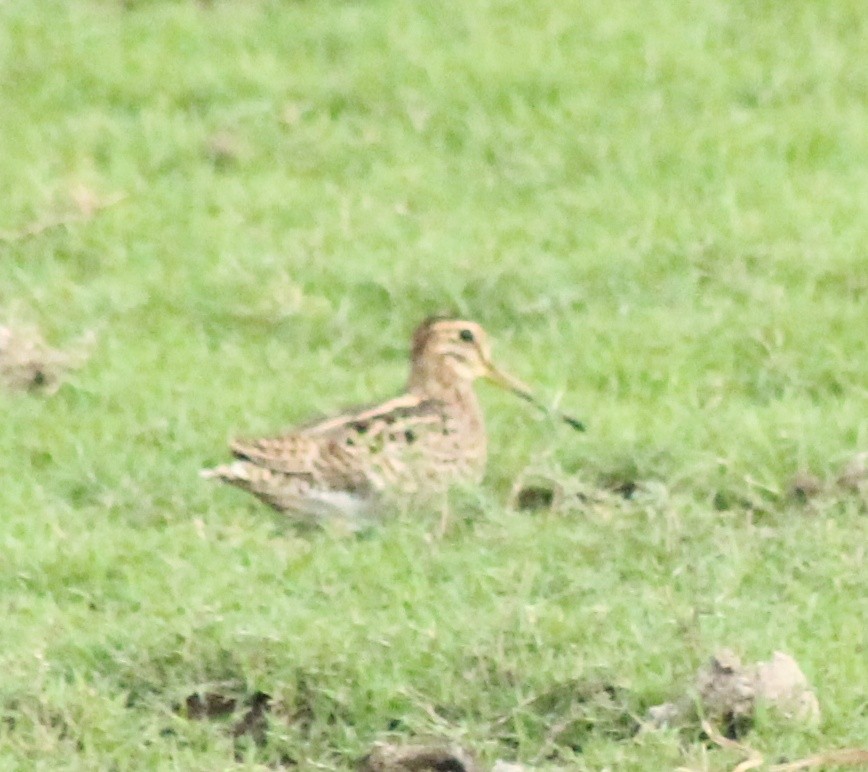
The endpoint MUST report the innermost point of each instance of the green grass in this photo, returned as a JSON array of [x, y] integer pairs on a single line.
[[658, 212]]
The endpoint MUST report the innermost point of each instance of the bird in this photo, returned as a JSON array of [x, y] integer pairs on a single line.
[[418, 444]]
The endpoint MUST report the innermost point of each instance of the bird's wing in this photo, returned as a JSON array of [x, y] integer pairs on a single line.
[[342, 443], [373, 417], [289, 454]]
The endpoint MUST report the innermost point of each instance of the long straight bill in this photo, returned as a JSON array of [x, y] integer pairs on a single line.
[[521, 390]]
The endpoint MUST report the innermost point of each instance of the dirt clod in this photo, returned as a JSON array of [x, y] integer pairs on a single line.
[[417, 758], [781, 683], [727, 694], [805, 486], [535, 497], [223, 149], [854, 475], [254, 722], [208, 705], [28, 363], [550, 489]]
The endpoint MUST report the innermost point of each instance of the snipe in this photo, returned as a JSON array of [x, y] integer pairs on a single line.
[[421, 442]]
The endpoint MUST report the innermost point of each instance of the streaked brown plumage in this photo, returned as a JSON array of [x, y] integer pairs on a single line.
[[418, 443]]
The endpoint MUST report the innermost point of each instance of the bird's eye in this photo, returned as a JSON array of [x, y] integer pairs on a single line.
[[466, 336]]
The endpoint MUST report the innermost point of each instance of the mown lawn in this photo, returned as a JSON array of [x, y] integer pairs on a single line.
[[658, 211]]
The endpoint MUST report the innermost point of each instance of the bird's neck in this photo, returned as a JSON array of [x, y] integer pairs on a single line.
[[441, 384]]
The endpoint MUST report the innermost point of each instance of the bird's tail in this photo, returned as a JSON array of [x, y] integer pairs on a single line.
[[294, 495], [236, 473]]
